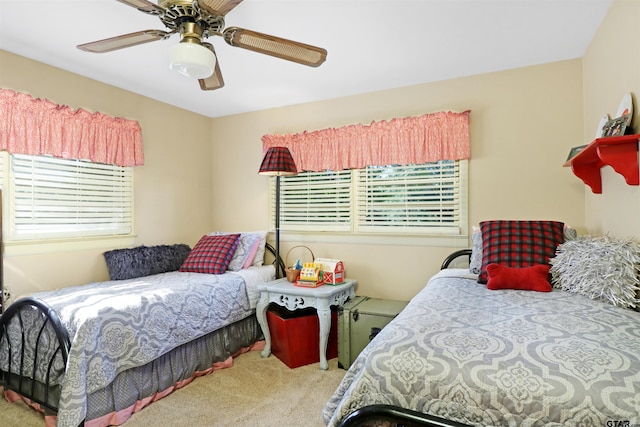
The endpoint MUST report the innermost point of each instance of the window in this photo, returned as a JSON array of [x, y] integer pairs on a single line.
[[315, 201], [52, 198], [407, 200]]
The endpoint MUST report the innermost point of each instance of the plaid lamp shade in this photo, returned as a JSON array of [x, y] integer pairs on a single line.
[[278, 161]]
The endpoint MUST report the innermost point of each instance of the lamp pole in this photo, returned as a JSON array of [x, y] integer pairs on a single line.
[[277, 226]]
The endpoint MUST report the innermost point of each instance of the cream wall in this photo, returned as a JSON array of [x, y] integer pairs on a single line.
[[611, 68], [172, 190], [523, 124]]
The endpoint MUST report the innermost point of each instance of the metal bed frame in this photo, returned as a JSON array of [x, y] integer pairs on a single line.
[[394, 416]]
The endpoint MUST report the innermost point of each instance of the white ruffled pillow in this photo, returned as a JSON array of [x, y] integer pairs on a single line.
[[599, 267]]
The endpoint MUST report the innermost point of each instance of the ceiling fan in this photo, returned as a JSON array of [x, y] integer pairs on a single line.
[[195, 20]]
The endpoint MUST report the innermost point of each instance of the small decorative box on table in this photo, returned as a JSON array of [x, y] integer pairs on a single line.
[[332, 271]]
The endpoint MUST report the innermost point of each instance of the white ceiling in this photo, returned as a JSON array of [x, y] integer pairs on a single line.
[[372, 45]]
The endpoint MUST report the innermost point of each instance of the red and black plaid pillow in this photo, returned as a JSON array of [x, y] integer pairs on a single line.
[[211, 254], [518, 243]]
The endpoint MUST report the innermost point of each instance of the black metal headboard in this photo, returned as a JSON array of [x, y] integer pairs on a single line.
[[279, 263], [455, 255]]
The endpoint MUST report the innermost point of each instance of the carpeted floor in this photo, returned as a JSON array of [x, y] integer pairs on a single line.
[[254, 392]]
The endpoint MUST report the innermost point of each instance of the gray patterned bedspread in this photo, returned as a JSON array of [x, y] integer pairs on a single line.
[[118, 325], [500, 358]]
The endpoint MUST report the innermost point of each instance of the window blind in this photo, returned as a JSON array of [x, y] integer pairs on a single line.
[[413, 199], [59, 198], [315, 201]]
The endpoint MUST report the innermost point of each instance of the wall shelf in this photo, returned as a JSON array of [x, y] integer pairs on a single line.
[[619, 152]]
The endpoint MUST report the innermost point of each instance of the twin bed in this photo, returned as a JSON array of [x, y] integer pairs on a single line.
[[97, 353], [462, 353]]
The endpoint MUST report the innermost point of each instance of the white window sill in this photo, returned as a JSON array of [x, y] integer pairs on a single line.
[[459, 241], [33, 247]]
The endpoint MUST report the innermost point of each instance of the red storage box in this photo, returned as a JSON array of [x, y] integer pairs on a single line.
[[295, 336]]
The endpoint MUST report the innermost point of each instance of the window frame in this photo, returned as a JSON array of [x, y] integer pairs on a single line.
[[456, 237], [26, 245]]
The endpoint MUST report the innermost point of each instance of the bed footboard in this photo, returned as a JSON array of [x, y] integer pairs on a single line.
[[37, 347], [393, 416]]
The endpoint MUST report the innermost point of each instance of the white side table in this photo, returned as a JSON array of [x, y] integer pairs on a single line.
[[286, 294]]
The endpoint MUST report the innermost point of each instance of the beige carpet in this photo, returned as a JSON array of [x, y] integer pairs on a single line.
[[254, 392]]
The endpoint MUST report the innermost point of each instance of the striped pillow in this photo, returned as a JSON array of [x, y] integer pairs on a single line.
[[211, 254]]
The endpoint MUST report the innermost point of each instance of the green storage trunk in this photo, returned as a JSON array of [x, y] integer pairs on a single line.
[[359, 321]]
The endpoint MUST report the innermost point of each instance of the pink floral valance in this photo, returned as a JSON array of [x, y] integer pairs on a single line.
[[413, 140], [38, 127]]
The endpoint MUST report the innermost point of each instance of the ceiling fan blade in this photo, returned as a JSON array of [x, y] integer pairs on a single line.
[[275, 46], [125, 40], [218, 7], [144, 6], [214, 81]]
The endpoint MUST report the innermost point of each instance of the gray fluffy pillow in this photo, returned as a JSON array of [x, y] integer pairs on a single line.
[[145, 260], [599, 267]]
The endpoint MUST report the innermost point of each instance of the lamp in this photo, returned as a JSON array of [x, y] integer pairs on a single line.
[[278, 162], [191, 59]]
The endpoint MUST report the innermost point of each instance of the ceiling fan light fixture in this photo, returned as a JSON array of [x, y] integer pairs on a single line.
[[192, 60], [195, 21]]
